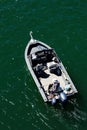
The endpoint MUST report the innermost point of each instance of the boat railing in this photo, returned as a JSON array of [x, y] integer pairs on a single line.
[[31, 34]]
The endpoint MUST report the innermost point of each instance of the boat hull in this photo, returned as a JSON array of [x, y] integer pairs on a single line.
[[40, 81]]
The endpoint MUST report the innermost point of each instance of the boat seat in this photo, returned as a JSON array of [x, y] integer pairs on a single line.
[[35, 59], [39, 68], [52, 64], [54, 68], [34, 56]]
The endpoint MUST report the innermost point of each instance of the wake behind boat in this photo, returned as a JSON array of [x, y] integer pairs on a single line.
[[48, 72]]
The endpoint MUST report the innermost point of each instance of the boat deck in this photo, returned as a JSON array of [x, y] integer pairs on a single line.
[[48, 80]]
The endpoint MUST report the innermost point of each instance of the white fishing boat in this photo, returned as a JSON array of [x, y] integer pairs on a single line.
[[48, 72]]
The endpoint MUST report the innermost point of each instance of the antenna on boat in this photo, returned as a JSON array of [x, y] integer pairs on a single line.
[[31, 34]]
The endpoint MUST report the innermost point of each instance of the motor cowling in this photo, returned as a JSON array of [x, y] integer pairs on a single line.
[[63, 97], [53, 101]]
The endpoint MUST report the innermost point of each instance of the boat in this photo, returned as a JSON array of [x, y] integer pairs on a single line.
[[47, 69]]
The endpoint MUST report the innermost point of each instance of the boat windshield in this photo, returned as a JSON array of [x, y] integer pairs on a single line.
[[42, 56], [35, 48]]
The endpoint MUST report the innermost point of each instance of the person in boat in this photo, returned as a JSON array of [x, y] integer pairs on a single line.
[[54, 87], [53, 91], [56, 92]]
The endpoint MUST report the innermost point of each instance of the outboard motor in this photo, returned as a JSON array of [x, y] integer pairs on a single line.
[[53, 101], [63, 98]]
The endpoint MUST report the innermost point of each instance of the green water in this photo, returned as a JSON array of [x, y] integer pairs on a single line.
[[62, 24]]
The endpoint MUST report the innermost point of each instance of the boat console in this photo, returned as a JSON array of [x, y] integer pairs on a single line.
[[43, 56]]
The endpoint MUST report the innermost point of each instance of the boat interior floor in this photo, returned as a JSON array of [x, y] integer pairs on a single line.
[[49, 78]]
